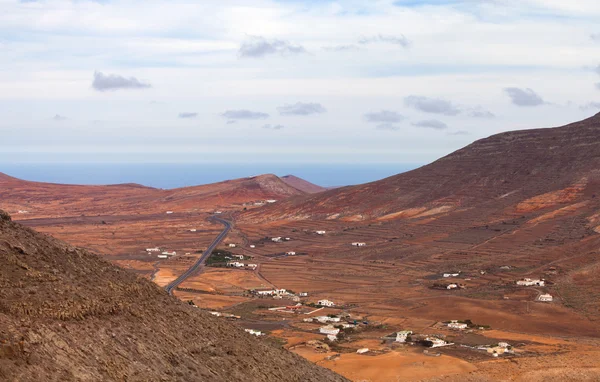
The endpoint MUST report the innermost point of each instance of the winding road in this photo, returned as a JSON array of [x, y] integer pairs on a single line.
[[175, 283]]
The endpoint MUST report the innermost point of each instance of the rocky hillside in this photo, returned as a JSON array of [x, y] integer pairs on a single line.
[[302, 185], [66, 315], [505, 169]]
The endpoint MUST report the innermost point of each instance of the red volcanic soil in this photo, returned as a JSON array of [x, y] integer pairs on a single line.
[[302, 185], [501, 170]]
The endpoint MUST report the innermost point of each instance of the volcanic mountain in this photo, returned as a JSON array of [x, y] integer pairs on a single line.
[[302, 185], [529, 169], [67, 315], [51, 200]]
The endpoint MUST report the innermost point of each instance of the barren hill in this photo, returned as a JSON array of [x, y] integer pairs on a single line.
[[505, 169], [66, 315], [302, 185], [54, 200]]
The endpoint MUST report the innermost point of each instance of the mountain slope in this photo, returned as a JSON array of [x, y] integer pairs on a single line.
[[509, 168], [302, 185], [66, 315]]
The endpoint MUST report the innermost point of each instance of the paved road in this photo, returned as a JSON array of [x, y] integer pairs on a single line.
[[173, 285]]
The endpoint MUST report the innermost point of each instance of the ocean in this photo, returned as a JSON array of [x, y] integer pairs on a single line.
[[173, 175]]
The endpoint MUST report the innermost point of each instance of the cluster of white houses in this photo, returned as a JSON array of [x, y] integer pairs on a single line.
[[280, 239], [454, 324], [358, 244]]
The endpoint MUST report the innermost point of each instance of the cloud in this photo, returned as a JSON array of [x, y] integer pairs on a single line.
[[187, 115], [340, 48], [431, 124], [598, 85], [230, 122], [590, 106], [244, 114], [273, 127], [459, 132], [301, 108], [400, 40], [258, 46], [384, 116], [524, 97], [431, 105], [480, 112], [59, 118], [595, 37], [113, 82], [388, 126]]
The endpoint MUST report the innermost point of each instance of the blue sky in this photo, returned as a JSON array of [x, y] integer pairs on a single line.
[[294, 81]]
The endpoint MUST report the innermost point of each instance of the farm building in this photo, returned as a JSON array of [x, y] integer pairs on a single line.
[[325, 303], [291, 253], [320, 232], [357, 244], [403, 335], [362, 351], [232, 245], [163, 256], [152, 249], [545, 298], [276, 239], [329, 329], [457, 325]]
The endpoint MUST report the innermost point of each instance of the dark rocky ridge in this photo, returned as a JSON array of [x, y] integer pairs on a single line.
[[67, 315]]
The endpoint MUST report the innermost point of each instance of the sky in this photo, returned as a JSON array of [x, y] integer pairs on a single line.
[[298, 81]]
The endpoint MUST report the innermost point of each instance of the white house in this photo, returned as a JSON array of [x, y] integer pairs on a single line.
[[241, 257], [545, 298], [235, 264], [403, 335], [436, 342], [530, 282], [252, 246], [451, 274], [265, 292], [325, 303], [287, 239], [359, 244], [452, 286], [252, 266], [303, 294], [153, 249], [454, 324], [362, 351], [169, 253], [163, 256], [325, 319], [232, 245], [331, 337], [291, 253], [276, 239], [320, 232], [193, 230], [169, 212], [22, 212], [329, 329], [271, 201]]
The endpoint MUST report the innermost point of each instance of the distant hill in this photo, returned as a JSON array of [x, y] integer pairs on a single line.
[[66, 315], [51, 200], [302, 185]]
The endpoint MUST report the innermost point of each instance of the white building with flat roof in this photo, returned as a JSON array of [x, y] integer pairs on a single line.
[[325, 303], [545, 298]]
